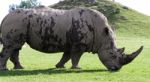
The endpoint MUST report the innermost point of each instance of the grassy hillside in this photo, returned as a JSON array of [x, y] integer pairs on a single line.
[[136, 25], [127, 22]]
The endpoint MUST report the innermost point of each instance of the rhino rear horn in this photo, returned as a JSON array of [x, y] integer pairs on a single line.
[[128, 58], [121, 50]]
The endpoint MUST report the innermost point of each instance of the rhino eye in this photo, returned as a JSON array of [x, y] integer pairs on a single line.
[[113, 56]]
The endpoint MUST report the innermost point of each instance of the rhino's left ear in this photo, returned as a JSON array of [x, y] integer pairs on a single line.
[[106, 31]]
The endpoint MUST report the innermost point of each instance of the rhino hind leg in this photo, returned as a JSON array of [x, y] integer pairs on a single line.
[[12, 43], [4, 56], [14, 58], [65, 58]]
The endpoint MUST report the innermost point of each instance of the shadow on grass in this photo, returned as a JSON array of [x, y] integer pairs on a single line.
[[47, 71]]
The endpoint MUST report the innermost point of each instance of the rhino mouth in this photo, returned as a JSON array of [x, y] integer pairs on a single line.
[[114, 68]]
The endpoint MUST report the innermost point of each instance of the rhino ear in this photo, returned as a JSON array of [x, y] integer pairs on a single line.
[[106, 31]]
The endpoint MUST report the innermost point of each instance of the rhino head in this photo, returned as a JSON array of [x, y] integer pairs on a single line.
[[112, 57]]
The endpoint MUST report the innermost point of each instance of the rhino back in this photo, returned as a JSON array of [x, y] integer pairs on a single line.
[[53, 30]]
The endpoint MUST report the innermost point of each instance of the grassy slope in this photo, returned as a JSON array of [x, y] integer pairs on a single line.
[[131, 33], [136, 25]]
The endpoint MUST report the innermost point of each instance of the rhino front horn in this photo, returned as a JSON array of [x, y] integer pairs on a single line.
[[128, 58]]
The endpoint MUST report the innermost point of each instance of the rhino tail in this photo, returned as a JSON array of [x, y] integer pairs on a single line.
[[0, 35], [1, 42]]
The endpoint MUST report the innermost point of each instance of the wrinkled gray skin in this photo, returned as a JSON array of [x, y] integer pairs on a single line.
[[72, 31]]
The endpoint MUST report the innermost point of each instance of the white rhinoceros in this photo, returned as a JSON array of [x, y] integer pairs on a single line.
[[72, 31]]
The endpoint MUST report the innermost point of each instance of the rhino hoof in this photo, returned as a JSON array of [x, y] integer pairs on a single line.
[[60, 66], [3, 69], [75, 67], [18, 67]]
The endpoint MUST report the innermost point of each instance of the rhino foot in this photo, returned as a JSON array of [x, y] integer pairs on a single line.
[[60, 66], [76, 67], [18, 67], [3, 65], [3, 69]]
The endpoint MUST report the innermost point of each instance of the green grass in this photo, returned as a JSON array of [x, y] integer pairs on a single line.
[[40, 67]]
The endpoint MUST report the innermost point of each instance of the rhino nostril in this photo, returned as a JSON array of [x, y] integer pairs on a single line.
[[114, 68]]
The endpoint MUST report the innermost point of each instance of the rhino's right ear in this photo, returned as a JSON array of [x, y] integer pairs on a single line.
[[106, 31]]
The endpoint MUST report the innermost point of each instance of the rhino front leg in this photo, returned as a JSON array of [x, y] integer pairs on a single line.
[[64, 59], [75, 57], [15, 59], [4, 56]]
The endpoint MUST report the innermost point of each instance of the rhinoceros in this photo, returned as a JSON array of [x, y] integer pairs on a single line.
[[73, 32]]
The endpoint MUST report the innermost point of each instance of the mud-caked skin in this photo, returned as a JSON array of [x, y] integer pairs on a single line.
[[72, 31]]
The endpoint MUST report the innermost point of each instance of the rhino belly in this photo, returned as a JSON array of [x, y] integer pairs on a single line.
[[45, 43]]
